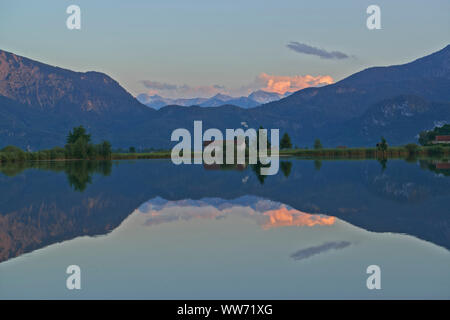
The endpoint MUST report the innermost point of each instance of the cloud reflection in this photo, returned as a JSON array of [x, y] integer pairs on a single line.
[[265, 213], [312, 251]]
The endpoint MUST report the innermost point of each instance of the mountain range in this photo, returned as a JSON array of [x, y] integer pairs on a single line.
[[254, 99], [39, 103]]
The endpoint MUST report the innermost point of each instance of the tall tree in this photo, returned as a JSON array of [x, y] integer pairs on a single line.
[[79, 146], [77, 133], [285, 142], [317, 144], [382, 146], [106, 149]]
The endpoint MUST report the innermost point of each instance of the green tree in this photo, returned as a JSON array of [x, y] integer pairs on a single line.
[[77, 133], [11, 149], [285, 142], [79, 146], [412, 148], [317, 144], [132, 150], [382, 146], [12, 153], [426, 137], [105, 150], [80, 149]]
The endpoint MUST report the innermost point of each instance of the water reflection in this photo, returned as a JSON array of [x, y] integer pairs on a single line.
[[383, 163], [211, 248], [265, 213], [437, 166], [315, 250], [317, 164], [285, 167], [79, 173], [48, 202]]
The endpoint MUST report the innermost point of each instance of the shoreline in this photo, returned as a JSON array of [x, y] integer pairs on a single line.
[[318, 154]]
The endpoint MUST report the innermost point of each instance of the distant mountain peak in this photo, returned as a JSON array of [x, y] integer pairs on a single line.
[[254, 99], [222, 97], [262, 96]]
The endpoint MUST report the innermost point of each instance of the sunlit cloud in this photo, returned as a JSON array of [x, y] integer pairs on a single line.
[[267, 214], [283, 84], [284, 216]]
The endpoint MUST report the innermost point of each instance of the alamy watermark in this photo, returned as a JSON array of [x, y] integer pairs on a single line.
[[73, 281], [74, 20], [239, 147], [374, 280], [374, 20]]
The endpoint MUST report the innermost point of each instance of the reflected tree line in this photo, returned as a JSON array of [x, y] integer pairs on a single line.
[[439, 166], [285, 168], [79, 173]]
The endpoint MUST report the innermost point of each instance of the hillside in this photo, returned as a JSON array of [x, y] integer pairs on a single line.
[[39, 103]]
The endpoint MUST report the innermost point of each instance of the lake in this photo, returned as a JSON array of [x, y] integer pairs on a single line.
[[148, 229]]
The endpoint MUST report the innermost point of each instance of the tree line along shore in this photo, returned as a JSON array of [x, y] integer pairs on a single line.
[[80, 147]]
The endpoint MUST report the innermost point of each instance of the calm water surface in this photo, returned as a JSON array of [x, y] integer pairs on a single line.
[[150, 229]]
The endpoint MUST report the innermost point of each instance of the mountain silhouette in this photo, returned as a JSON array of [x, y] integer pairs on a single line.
[[254, 99]]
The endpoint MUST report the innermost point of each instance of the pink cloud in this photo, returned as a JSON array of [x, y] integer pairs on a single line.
[[283, 84]]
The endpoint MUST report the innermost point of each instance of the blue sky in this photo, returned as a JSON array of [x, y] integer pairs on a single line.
[[227, 46]]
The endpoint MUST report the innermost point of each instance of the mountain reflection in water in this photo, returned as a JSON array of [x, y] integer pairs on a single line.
[[315, 220], [247, 247], [266, 213], [51, 202]]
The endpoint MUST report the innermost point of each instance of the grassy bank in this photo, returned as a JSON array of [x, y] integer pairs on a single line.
[[14, 154], [347, 153], [370, 153], [58, 154], [146, 155]]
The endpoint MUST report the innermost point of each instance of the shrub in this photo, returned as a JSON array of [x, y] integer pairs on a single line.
[[412, 148]]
